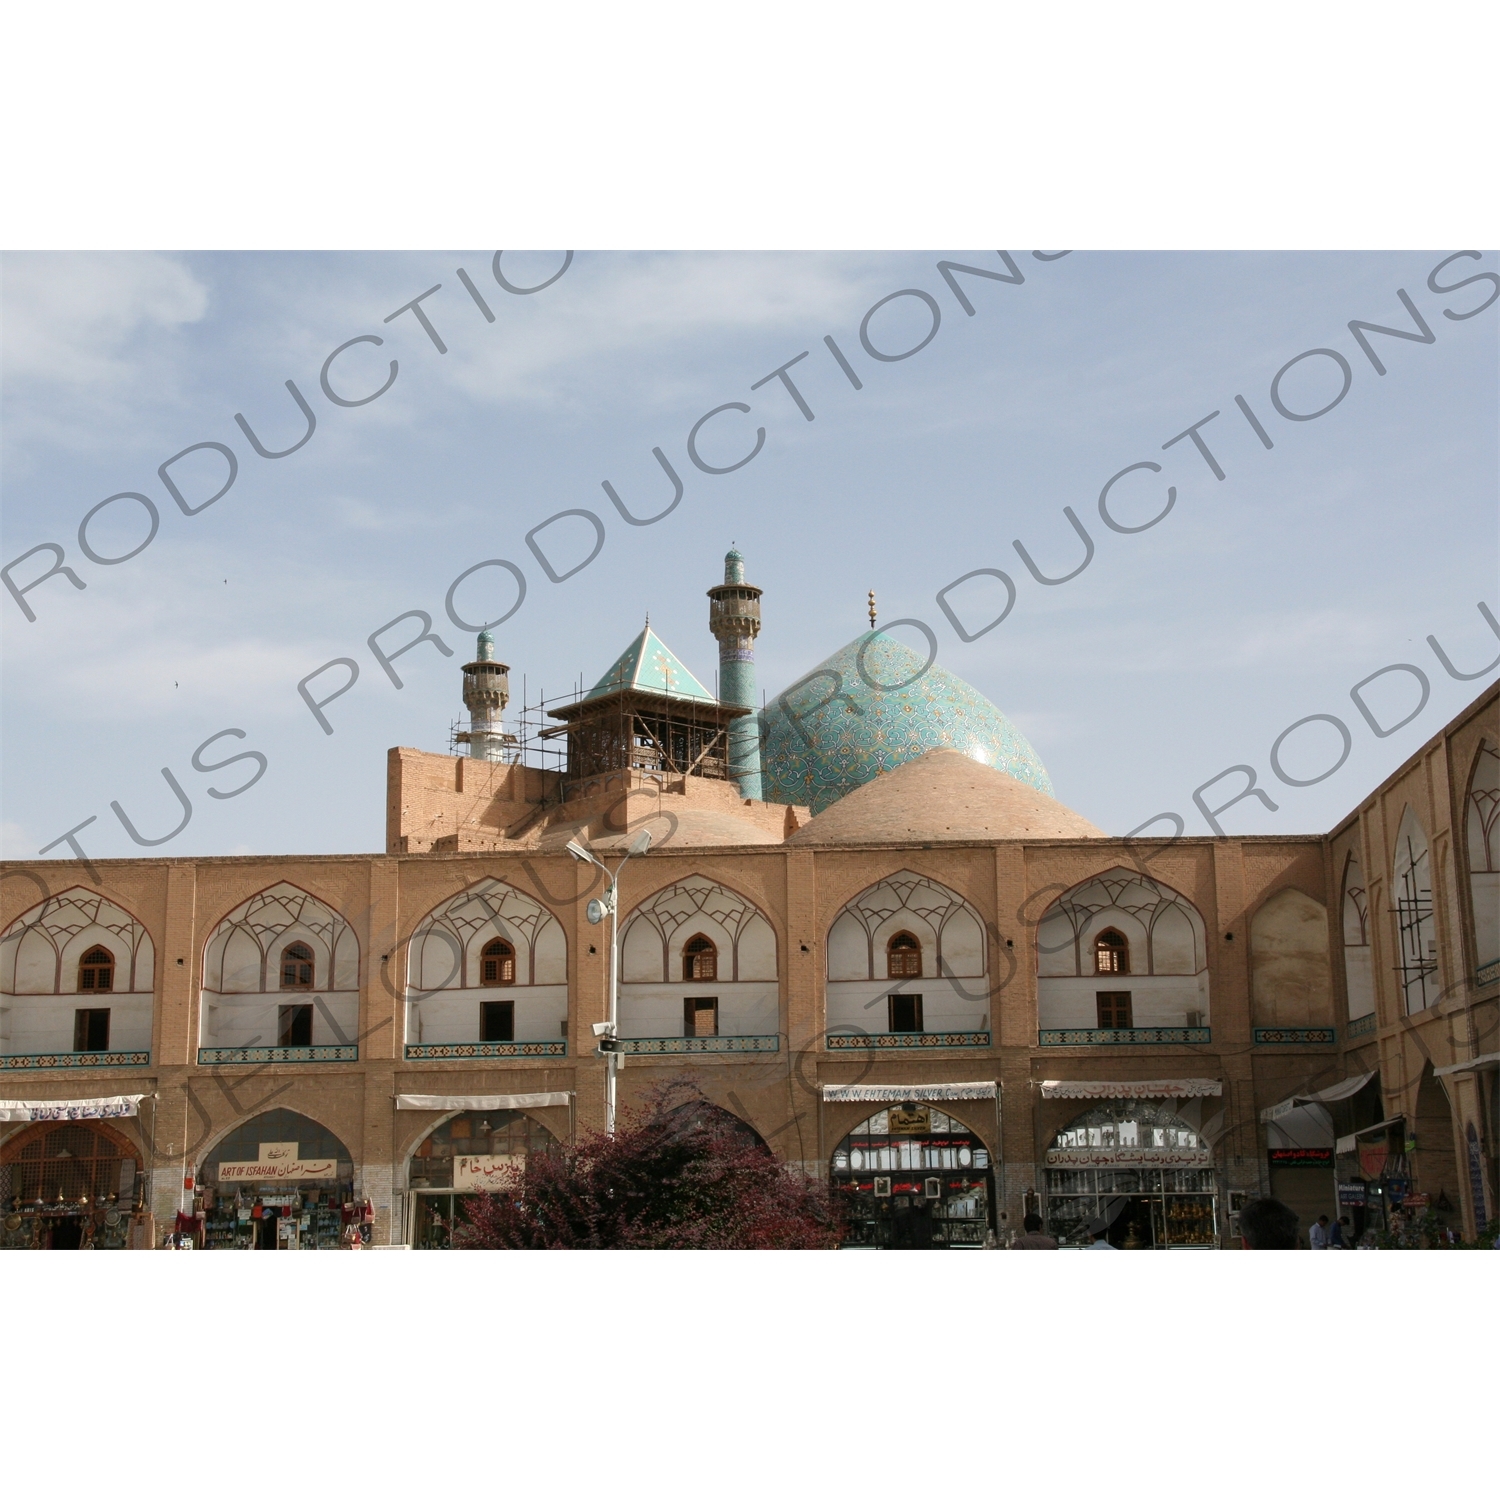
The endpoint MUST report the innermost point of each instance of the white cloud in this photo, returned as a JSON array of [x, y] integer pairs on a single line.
[[69, 317]]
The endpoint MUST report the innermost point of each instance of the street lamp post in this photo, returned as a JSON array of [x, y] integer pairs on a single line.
[[608, 1031]]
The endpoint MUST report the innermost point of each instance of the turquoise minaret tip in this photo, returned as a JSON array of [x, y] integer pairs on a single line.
[[486, 649]]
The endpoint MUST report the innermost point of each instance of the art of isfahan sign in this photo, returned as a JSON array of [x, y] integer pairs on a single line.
[[279, 1162], [485, 1174]]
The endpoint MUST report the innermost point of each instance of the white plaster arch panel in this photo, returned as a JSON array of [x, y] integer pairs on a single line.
[[962, 944], [1174, 944], [912, 903], [656, 930], [39, 951], [243, 953], [445, 948], [1356, 908], [757, 950], [848, 949], [1482, 833], [1139, 907]]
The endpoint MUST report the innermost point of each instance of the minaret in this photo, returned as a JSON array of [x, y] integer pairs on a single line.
[[486, 692], [734, 617]]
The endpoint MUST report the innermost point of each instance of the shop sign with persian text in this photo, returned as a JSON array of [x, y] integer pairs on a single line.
[[279, 1162], [484, 1174], [1130, 1156]]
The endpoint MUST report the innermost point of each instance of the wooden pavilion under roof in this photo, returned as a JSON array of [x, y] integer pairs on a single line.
[[645, 732]]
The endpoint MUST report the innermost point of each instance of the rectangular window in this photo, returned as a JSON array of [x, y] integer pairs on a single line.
[[906, 1012], [700, 1016], [1114, 1010], [497, 1020], [91, 1031], [295, 1029]]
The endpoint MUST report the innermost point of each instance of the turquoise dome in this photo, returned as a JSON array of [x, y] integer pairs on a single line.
[[870, 708]]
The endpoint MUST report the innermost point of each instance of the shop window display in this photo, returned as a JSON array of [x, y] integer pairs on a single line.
[[916, 1179], [69, 1187], [281, 1181], [486, 1134], [1139, 1167]]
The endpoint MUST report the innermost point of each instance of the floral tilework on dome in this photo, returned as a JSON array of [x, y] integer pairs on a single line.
[[870, 708]]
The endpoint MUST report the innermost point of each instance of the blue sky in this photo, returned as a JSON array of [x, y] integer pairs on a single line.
[[1181, 650]]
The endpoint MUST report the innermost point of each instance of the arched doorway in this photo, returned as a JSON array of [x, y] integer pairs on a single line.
[[69, 1186], [1139, 1168], [914, 1178], [466, 1155], [280, 1181]]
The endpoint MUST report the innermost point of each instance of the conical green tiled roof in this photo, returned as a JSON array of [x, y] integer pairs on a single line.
[[649, 666]]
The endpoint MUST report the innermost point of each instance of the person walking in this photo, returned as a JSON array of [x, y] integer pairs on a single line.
[[1033, 1238]]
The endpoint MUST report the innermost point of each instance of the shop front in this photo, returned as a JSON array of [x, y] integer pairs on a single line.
[[476, 1150], [1137, 1163], [70, 1180], [280, 1181], [913, 1176]]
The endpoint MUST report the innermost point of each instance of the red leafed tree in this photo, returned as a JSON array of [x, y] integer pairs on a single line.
[[680, 1174]]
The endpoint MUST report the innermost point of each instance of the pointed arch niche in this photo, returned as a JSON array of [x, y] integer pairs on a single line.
[[254, 998], [51, 974], [1482, 837], [1416, 929], [908, 965], [487, 976], [698, 927], [1359, 973], [1160, 993]]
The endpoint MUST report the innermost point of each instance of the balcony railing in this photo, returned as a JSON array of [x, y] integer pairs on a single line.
[[1127, 1036], [1361, 1026], [674, 1046], [213, 1056], [1294, 1036], [902, 1041], [451, 1051], [42, 1062]]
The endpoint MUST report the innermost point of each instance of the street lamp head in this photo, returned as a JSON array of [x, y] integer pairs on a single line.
[[641, 843], [579, 852]]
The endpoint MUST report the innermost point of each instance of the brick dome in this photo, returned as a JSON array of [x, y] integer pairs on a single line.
[[944, 797]]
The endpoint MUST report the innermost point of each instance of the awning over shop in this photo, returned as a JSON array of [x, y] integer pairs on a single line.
[[899, 1093], [446, 1102], [114, 1107], [1136, 1088], [1346, 1089], [1487, 1061], [1348, 1143]]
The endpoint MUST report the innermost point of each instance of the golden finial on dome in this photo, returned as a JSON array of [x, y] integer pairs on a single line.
[[872, 609]]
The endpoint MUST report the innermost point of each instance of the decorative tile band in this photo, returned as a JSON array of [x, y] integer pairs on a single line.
[[1296, 1036], [1133, 1036], [904, 1040], [1361, 1026], [32, 1062], [445, 1051], [209, 1056], [649, 1046], [1487, 973]]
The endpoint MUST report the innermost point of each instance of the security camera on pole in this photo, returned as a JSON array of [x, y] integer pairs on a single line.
[[610, 1047]]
